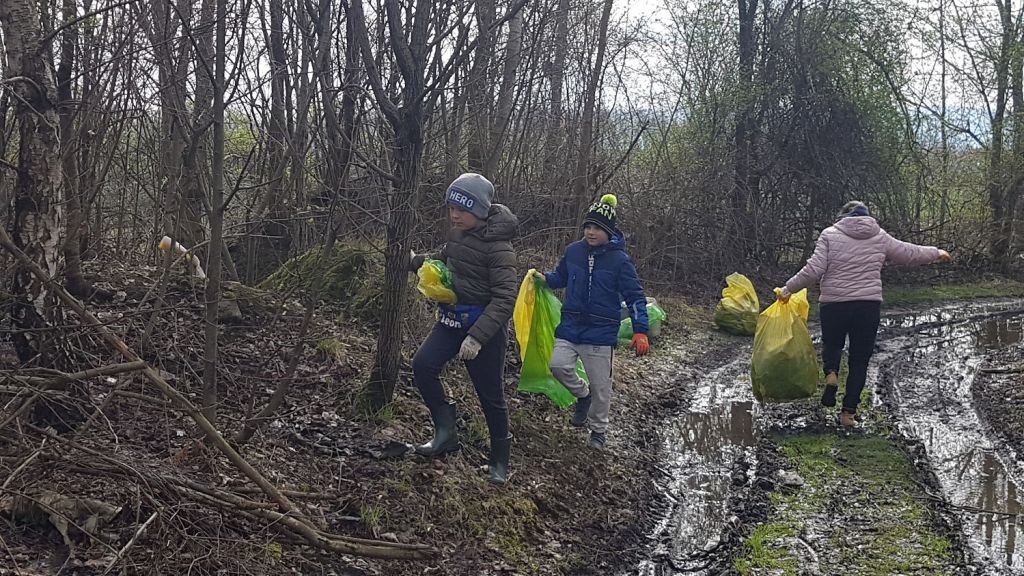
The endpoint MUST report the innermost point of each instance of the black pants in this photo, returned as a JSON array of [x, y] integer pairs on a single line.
[[859, 321], [487, 371]]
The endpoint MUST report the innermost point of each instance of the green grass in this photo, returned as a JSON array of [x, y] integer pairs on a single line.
[[911, 295], [864, 512], [900, 296], [765, 554], [372, 517]]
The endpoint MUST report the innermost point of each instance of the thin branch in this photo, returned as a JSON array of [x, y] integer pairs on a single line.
[[124, 550]]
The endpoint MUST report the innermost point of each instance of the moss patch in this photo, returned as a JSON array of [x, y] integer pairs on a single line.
[[352, 278], [859, 509]]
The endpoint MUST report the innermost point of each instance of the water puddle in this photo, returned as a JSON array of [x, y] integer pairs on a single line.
[[930, 358], [701, 448], [931, 374]]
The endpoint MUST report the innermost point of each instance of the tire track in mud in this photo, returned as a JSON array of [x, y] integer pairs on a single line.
[[929, 364], [714, 481]]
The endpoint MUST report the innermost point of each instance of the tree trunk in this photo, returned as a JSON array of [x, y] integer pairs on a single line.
[[555, 137], [999, 245], [409, 151], [38, 201], [406, 122], [178, 170], [74, 190], [478, 87], [213, 293], [300, 231], [580, 181], [503, 111], [1011, 195], [744, 182], [273, 246]]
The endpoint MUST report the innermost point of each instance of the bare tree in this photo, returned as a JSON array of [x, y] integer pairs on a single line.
[[746, 181], [38, 201], [213, 281], [405, 115], [555, 136], [410, 44], [581, 177]]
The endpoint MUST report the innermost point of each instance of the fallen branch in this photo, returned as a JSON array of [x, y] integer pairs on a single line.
[[124, 550], [62, 378], [23, 465], [964, 507], [115, 342], [1002, 370], [297, 494], [57, 382], [240, 506], [322, 540]]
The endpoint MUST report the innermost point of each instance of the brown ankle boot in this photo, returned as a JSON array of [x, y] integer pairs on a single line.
[[847, 420], [828, 396]]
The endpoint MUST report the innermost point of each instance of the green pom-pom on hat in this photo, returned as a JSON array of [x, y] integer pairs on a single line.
[[602, 213]]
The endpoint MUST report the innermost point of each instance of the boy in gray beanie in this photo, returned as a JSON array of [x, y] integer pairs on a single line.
[[471, 193], [474, 329]]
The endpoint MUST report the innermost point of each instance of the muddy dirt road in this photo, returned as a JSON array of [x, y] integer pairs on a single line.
[[923, 486]]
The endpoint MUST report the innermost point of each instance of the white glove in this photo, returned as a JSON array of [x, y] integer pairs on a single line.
[[469, 350]]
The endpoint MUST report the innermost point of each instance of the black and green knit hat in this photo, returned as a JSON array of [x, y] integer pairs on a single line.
[[602, 213]]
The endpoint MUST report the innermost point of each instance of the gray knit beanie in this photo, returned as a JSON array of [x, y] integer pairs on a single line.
[[471, 192]]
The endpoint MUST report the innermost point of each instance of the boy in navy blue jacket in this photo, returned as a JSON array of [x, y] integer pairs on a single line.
[[598, 276]]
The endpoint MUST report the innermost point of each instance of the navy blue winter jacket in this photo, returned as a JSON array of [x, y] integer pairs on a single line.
[[596, 281]]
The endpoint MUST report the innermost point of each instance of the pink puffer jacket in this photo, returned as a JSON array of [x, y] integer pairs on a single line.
[[848, 260]]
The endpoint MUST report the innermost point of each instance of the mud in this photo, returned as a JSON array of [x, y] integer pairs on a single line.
[[720, 455], [926, 381], [709, 449]]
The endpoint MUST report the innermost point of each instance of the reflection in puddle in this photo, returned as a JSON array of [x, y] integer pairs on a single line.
[[701, 447], [999, 332], [999, 503], [933, 402]]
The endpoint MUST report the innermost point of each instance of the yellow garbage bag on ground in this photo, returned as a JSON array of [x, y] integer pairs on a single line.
[[537, 314], [435, 282], [784, 366], [737, 312]]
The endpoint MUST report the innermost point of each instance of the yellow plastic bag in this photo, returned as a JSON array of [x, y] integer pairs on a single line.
[[737, 312], [784, 366], [536, 316], [435, 282]]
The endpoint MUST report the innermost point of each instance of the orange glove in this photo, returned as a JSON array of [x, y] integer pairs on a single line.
[[641, 344]]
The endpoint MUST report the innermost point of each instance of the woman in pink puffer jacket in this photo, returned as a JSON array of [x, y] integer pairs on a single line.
[[848, 262]]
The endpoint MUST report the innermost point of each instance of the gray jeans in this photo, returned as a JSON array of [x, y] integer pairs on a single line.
[[597, 362]]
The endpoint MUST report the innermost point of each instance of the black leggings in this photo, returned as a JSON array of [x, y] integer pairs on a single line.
[[859, 320], [487, 372]]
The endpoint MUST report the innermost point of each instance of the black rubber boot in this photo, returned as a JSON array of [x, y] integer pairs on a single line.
[[497, 467], [446, 438]]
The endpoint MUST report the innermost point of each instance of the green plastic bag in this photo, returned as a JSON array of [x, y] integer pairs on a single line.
[[784, 366], [537, 314], [737, 312], [435, 282], [655, 316]]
